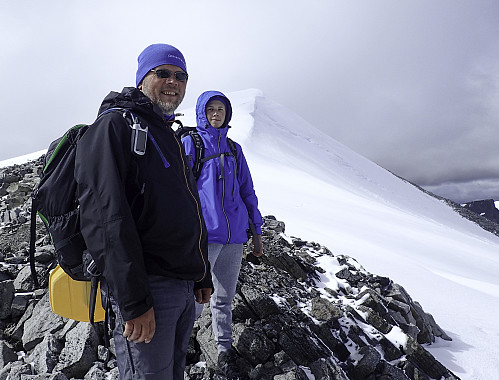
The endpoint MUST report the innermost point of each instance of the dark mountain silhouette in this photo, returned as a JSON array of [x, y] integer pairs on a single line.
[[486, 208]]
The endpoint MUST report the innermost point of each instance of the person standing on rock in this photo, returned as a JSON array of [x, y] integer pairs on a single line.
[[141, 219], [230, 207]]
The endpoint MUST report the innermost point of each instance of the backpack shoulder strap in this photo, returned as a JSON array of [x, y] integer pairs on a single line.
[[199, 157], [233, 149], [198, 153], [139, 133]]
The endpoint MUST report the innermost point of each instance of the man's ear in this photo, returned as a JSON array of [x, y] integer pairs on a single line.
[[140, 86]]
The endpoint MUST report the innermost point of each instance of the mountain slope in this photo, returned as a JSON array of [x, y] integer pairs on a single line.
[[328, 193]]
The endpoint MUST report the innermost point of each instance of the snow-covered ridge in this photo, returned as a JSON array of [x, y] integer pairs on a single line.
[[22, 159]]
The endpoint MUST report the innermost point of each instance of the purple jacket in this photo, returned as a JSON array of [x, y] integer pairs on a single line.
[[226, 200]]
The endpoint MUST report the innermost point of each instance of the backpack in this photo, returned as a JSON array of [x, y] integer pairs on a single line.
[[199, 158], [55, 201]]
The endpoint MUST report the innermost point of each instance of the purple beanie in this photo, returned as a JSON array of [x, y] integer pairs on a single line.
[[156, 55]]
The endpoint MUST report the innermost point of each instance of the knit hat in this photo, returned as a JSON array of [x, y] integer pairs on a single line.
[[156, 55]]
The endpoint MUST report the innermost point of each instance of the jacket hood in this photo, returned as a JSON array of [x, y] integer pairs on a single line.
[[203, 100], [130, 98]]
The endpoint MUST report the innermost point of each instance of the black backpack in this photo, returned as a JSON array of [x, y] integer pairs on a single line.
[[55, 200], [199, 158]]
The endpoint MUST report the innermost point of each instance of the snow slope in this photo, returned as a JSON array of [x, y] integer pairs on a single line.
[[327, 193]]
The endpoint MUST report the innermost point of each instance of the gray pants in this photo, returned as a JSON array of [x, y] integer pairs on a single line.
[[164, 357], [225, 263]]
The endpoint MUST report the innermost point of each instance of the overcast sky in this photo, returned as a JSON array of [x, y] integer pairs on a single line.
[[411, 85]]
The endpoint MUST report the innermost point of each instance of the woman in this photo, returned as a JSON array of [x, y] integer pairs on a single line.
[[229, 206]]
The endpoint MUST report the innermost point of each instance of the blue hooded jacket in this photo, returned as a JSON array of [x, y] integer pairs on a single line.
[[226, 192]]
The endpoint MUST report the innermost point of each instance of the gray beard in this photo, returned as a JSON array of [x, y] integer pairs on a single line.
[[166, 108]]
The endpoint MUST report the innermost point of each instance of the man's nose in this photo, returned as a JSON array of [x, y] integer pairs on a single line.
[[171, 79]]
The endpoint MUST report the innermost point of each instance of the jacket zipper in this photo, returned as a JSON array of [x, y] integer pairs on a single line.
[[197, 205], [222, 168]]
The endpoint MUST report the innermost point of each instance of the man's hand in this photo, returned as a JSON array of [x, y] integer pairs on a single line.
[[141, 329], [257, 245], [202, 295]]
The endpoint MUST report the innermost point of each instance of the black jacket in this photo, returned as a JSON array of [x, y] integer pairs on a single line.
[[140, 215]]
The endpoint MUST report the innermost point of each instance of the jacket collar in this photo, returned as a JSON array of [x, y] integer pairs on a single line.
[[132, 99]]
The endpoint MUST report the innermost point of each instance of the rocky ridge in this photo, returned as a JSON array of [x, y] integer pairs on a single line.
[[300, 312], [485, 208]]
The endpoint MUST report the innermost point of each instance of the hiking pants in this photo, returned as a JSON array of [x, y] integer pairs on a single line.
[[164, 357], [225, 263]]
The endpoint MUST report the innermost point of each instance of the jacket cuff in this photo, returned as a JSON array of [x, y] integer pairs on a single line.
[[205, 283], [136, 310]]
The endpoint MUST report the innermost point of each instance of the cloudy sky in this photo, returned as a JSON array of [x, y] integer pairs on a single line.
[[411, 85]]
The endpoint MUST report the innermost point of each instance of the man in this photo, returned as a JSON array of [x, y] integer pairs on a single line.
[[142, 221]]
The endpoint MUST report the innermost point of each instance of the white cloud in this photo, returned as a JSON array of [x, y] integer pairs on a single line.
[[411, 85]]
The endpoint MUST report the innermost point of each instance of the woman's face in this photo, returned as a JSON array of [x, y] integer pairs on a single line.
[[215, 113]]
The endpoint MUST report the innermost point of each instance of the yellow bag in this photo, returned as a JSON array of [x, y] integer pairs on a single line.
[[70, 298]]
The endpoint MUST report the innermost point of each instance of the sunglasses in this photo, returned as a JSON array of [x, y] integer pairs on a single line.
[[165, 73]]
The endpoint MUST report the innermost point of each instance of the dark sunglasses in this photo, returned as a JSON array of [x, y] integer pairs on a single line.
[[165, 73]]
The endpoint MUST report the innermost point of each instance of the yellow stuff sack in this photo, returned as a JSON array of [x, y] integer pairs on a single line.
[[70, 298]]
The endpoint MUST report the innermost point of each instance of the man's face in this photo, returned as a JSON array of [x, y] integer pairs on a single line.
[[215, 113], [167, 93]]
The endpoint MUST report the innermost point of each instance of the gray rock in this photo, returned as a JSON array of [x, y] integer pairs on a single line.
[[44, 254], [259, 302], [41, 323], [326, 369], [113, 374], [15, 371], [46, 376], [45, 355], [19, 305], [7, 296], [323, 310], [252, 343], [24, 280], [294, 374], [389, 372], [79, 352], [284, 261], [10, 178], [103, 354], [425, 362], [7, 354], [15, 332], [96, 372], [264, 371], [366, 366], [206, 342], [299, 344]]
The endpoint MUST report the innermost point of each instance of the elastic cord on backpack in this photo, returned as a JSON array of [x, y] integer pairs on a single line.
[[34, 209], [94, 282]]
